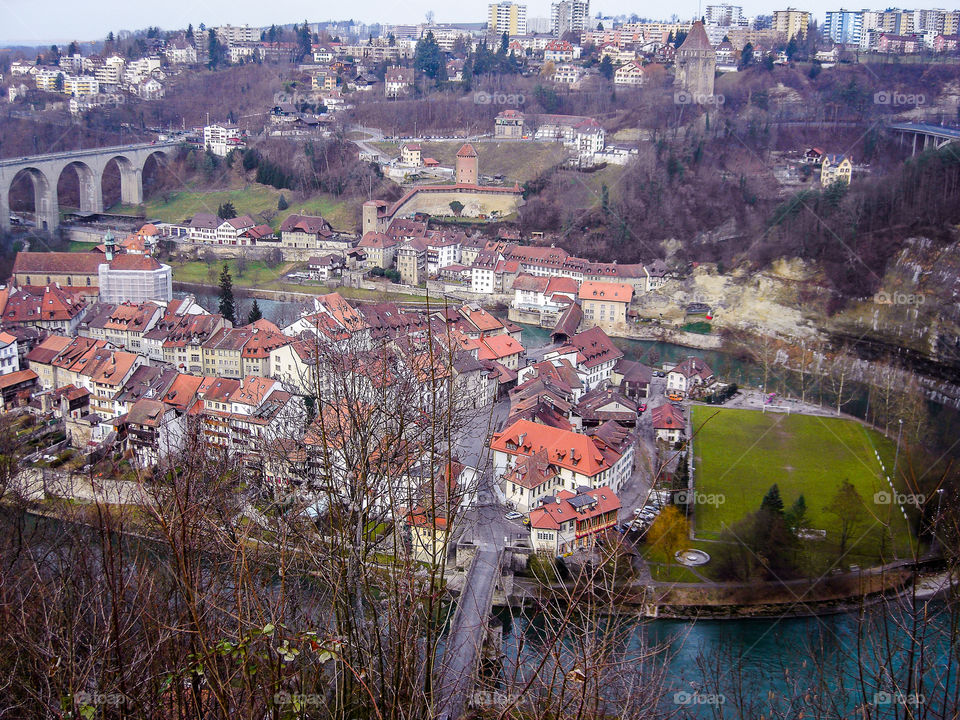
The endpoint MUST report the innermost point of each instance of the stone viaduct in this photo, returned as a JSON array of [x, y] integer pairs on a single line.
[[44, 172]]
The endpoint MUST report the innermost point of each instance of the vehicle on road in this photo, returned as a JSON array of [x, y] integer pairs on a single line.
[[659, 373], [525, 521], [513, 515], [642, 408], [674, 397]]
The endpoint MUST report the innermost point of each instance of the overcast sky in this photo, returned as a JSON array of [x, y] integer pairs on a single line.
[[47, 21]]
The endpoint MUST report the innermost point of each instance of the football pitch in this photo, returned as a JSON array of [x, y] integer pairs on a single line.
[[739, 454]]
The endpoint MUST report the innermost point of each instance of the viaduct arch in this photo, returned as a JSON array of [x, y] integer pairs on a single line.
[[44, 172]]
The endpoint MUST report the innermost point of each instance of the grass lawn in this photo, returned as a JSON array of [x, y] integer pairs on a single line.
[[249, 199], [75, 246], [520, 161], [259, 276], [257, 273], [739, 454]]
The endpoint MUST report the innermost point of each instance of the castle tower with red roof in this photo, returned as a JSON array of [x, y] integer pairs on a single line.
[[467, 171]]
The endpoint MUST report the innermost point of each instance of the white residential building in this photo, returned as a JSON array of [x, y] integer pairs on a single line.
[[222, 138], [9, 359]]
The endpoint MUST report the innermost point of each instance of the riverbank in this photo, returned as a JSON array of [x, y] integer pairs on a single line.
[[666, 601], [674, 336], [835, 594]]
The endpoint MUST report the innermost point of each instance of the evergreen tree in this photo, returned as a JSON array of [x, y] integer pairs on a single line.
[[189, 33], [606, 67], [428, 59], [216, 50], [255, 313], [304, 38], [797, 515], [772, 502], [746, 56], [282, 203], [226, 211], [227, 307]]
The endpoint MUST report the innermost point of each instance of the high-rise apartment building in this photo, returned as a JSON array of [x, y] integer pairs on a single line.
[[724, 15], [507, 17], [570, 16], [844, 26], [791, 22]]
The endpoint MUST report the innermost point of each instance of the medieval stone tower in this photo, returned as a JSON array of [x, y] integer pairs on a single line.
[[467, 165], [696, 62]]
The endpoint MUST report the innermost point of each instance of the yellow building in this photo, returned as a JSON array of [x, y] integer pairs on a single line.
[[507, 17], [324, 81], [428, 536], [835, 168], [791, 22], [604, 303], [411, 154]]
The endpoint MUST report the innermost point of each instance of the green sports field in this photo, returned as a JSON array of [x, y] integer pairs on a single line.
[[739, 454]]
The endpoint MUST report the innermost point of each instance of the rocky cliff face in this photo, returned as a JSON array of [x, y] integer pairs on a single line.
[[912, 324]]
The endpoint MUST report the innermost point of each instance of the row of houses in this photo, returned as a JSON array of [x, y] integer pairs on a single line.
[[570, 443]]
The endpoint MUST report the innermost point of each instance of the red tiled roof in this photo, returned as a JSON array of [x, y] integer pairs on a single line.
[[613, 292], [667, 417], [596, 347], [571, 450], [52, 304], [57, 263], [16, 378], [566, 507]]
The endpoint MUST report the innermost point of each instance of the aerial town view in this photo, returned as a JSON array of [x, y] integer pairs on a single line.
[[504, 361]]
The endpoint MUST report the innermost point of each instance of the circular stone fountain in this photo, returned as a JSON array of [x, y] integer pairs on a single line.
[[692, 558]]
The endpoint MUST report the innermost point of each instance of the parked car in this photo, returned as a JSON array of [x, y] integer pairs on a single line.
[[513, 515], [659, 373], [642, 408], [675, 397]]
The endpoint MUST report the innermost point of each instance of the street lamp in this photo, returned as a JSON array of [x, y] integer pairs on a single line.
[[896, 455]]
